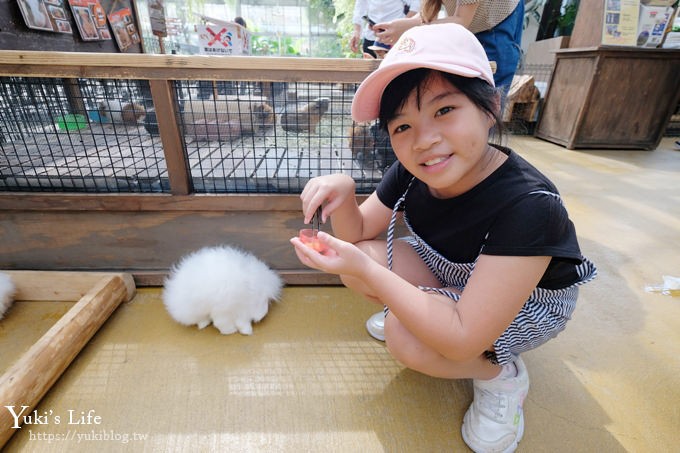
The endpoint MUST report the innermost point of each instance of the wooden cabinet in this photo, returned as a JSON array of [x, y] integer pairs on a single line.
[[610, 97]]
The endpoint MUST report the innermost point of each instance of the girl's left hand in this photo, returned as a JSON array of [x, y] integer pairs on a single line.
[[342, 258]]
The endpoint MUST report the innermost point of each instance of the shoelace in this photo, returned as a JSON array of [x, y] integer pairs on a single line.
[[492, 405]]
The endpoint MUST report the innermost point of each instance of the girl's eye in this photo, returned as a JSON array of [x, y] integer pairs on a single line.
[[401, 128], [443, 111]]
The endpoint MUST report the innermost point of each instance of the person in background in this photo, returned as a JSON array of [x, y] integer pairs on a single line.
[[491, 267], [497, 24], [206, 88], [239, 20], [369, 12]]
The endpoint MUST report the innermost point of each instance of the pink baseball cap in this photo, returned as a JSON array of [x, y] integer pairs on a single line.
[[448, 48]]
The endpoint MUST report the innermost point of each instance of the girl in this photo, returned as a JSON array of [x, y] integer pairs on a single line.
[[492, 265]]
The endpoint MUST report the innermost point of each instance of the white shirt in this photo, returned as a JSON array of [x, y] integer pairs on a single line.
[[380, 11]]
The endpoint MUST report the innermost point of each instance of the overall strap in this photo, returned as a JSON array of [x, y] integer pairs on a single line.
[[393, 220]]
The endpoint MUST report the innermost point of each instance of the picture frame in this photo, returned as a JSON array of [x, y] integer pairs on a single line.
[[36, 15], [90, 18]]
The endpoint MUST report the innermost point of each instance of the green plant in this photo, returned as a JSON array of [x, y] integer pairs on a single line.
[[564, 22], [568, 18], [344, 10], [270, 46]]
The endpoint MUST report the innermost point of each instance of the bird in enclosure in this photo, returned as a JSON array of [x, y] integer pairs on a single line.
[[251, 113], [370, 146], [305, 118], [117, 112]]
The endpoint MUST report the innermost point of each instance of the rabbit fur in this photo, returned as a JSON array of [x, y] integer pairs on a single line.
[[7, 291], [222, 285]]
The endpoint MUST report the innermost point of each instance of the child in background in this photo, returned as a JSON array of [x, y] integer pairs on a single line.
[[492, 265]]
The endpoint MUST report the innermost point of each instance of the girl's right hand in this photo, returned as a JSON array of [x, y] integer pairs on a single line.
[[333, 190]]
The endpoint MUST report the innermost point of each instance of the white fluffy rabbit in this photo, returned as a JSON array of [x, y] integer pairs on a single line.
[[6, 293], [224, 285]]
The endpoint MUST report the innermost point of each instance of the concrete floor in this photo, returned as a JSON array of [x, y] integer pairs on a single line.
[[311, 380]]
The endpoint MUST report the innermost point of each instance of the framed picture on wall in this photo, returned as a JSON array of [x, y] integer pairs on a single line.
[[90, 19], [35, 14], [85, 23], [57, 13], [124, 29]]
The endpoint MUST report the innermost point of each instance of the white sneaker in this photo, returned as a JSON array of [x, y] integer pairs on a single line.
[[495, 420], [376, 326]]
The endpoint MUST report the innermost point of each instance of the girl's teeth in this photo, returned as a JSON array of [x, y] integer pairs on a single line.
[[434, 161]]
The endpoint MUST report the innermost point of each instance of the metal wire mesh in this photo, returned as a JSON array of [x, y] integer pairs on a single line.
[[249, 137], [47, 147], [525, 115], [274, 137], [541, 74]]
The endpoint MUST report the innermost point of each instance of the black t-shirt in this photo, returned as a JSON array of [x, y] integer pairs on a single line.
[[513, 212]]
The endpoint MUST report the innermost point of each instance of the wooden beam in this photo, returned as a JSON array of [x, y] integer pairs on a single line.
[[116, 202], [182, 67], [165, 104], [58, 286], [29, 379]]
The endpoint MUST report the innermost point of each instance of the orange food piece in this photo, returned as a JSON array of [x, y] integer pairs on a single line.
[[308, 237]]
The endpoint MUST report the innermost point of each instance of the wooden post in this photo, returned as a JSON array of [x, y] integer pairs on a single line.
[[29, 379], [164, 102], [74, 96]]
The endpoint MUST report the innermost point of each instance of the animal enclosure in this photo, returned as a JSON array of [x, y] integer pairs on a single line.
[[104, 135], [127, 162]]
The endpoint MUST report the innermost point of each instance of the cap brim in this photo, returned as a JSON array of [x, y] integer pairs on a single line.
[[366, 102]]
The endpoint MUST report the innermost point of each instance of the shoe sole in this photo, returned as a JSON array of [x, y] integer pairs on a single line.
[[511, 448], [371, 332]]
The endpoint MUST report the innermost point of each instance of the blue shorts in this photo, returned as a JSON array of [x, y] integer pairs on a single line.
[[503, 45]]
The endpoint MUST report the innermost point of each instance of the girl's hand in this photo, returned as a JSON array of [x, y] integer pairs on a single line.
[[339, 257], [334, 190]]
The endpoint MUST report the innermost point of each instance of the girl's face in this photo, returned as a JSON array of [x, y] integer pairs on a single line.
[[444, 140]]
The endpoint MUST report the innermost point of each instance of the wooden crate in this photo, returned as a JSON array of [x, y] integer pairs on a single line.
[[523, 99], [610, 97]]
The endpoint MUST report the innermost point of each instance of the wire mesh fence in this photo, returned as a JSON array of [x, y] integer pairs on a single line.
[[47, 147], [102, 135], [541, 74], [522, 118], [250, 137], [273, 137]]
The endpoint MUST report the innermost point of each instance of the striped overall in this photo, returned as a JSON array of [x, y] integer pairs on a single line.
[[542, 317]]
